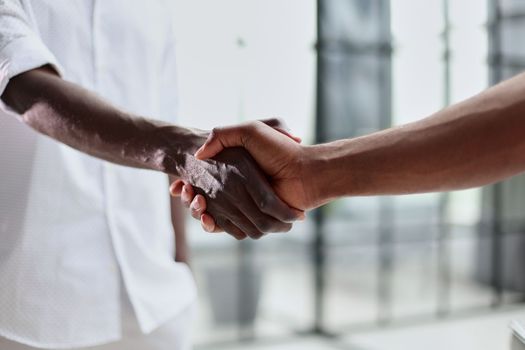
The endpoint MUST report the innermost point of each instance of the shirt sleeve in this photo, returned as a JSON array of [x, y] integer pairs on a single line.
[[21, 48]]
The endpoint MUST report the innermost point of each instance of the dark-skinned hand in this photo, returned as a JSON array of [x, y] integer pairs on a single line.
[[236, 193]]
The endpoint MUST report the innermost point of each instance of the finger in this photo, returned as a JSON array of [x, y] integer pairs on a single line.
[[264, 223], [219, 139], [246, 225], [187, 195], [209, 225], [176, 188], [269, 203], [241, 221], [233, 230], [236, 218], [198, 206]]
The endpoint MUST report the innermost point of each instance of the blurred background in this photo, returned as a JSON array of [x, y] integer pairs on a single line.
[[407, 272]]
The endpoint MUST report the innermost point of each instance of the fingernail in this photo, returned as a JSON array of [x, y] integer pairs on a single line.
[[196, 205]]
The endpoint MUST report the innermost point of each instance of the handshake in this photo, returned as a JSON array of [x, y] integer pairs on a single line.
[[256, 178], [256, 181]]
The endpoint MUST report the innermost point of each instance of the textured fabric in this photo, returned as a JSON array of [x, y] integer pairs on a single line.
[[70, 224], [173, 335]]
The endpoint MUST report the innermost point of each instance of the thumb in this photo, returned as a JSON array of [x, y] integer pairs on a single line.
[[219, 139]]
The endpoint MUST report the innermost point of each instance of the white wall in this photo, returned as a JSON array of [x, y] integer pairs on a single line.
[[271, 74]]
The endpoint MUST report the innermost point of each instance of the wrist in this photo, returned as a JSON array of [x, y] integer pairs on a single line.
[[176, 146], [314, 165], [326, 174]]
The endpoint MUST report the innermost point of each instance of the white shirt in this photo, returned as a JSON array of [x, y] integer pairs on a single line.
[[71, 225]]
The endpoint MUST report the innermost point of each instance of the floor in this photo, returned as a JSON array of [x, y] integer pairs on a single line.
[[487, 332], [273, 289]]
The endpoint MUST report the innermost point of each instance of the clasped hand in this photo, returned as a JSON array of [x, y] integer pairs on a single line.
[[246, 195]]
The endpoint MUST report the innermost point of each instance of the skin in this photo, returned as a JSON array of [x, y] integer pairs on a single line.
[[474, 143], [237, 192]]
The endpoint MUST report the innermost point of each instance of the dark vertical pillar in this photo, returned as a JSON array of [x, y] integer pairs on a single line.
[[386, 204], [443, 241], [318, 251], [496, 75], [353, 97]]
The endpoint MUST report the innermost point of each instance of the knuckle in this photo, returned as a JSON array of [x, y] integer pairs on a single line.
[[266, 201], [251, 128], [215, 131]]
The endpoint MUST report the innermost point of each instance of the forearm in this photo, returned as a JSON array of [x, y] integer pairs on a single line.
[[474, 143], [80, 119]]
